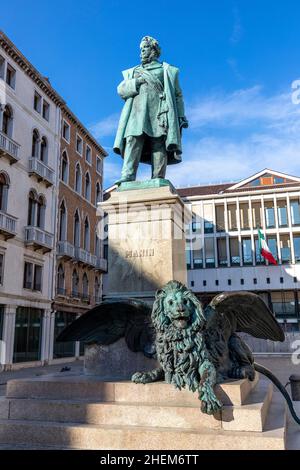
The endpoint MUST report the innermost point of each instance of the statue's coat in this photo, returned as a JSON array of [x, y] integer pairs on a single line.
[[174, 101]]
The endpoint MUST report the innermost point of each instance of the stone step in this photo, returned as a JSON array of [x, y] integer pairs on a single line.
[[248, 417], [234, 392], [37, 433]]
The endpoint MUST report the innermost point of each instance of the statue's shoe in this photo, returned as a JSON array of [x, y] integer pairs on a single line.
[[124, 180]]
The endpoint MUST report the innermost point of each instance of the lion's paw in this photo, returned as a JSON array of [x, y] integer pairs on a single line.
[[141, 378]]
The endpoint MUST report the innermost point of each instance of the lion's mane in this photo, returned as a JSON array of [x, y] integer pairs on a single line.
[[179, 350]]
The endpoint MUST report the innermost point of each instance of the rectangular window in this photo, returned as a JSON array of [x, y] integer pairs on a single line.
[[220, 218], [234, 252], [282, 213], [32, 276], [295, 212], [37, 102], [46, 110], [1, 269], [247, 251], [209, 252], [256, 215], [270, 214], [198, 259], [208, 218], [297, 248], [2, 67], [188, 257], [272, 244], [285, 247], [11, 76], [196, 224], [232, 218], [222, 253], [244, 216], [66, 131], [88, 154], [79, 144], [28, 332], [99, 165]]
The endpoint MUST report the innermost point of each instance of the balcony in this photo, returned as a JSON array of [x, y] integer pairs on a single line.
[[41, 171], [101, 264], [8, 225], [9, 148], [65, 250], [84, 257], [39, 239]]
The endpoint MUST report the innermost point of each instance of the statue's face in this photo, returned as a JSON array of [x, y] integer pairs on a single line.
[[179, 308], [146, 51]]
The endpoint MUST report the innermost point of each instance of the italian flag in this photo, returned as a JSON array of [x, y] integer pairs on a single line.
[[264, 249]]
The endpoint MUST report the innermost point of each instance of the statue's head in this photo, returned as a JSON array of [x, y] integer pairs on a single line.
[[150, 49], [175, 305]]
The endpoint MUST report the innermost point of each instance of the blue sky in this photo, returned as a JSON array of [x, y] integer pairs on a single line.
[[238, 59]]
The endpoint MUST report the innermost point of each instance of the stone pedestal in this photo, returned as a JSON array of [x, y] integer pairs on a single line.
[[146, 240]]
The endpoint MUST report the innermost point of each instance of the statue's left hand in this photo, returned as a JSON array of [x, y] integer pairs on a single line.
[[183, 122]]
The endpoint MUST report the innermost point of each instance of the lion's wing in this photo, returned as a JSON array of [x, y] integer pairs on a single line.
[[248, 313], [112, 320]]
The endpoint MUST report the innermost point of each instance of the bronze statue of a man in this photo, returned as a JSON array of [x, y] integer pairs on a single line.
[[153, 115]]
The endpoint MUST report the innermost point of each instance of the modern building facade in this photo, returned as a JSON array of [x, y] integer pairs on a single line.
[[222, 246], [32, 241], [80, 261]]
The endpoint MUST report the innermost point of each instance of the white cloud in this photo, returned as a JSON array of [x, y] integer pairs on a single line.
[[105, 127]]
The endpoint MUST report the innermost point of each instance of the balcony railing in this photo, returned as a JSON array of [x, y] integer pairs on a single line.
[[8, 225], [39, 238], [65, 250], [42, 171], [9, 148]]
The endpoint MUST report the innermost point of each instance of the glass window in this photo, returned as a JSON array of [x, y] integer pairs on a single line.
[[283, 304], [285, 247], [44, 150], [37, 102], [85, 287], [79, 144], [196, 224], [87, 192], [282, 213], [78, 179], [209, 252], [244, 216], [76, 238], [272, 244], [27, 334], [1, 328], [258, 258], [188, 254], [247, 251], [2, 67], [270, 214], [88, 154], [11, 76], [295, 212], [1, 268], [297, 248], [7, 121], [64, 167], [46, 110], [37, 284], [28, 275], [67, 349], [232, 217], [75, 284], [198, 259], [60, 283], [66, 131], [220, 218], [234, 252], [278, 180], [222, 252], [256, 215], [99, 165], [4, 185], [86, 240], [208, 218]]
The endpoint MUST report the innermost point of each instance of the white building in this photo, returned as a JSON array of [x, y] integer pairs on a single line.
[[222, 241], [30, 119]]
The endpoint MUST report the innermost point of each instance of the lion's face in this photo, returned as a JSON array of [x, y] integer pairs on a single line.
[[179, 308]]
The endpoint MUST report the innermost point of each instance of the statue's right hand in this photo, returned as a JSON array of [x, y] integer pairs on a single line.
[[140, 81]]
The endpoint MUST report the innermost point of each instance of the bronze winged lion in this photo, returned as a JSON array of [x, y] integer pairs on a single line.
[[195, 347]]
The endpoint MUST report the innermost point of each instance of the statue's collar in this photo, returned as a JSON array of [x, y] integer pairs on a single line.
[[152, 65]]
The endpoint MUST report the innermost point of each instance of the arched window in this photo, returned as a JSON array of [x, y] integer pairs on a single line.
[[85, 286], [44, 150], [87, 191], [35, 144], [97, 290], [75, 284], [62, 222], [7, 122], [76, 238], [78, 179], [41, 210], [60, 280], [98, 193], [32, 203], [64, 167], [86, 235], [4, 185]]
